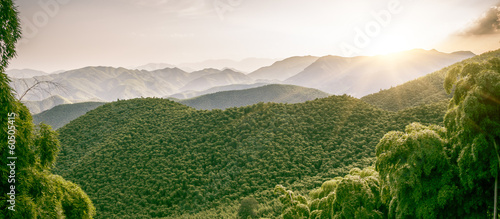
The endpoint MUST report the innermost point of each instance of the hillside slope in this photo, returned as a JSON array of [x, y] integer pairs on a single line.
[[155, 158], [270, 93], [61, 115], [424, 90], [362, 75]]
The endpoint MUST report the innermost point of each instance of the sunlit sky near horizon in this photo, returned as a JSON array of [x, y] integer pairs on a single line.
[[68, 34]]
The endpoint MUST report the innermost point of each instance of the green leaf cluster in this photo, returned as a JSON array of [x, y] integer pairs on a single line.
[[356, 195]]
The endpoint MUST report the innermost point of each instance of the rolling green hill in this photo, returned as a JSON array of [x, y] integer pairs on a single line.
[[424, 90], [61, 115], [275, 93], [157, 158]]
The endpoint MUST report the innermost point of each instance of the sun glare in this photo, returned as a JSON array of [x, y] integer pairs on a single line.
[[389, 44]]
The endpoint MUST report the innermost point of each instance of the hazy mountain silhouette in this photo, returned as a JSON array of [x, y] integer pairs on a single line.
[[220, 78], [191, 94], [24, 73], [276, 93], [362, 75], [245, 65], [283, 69]]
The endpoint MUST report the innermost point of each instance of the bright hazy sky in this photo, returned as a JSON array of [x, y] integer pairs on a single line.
[[70, 34]]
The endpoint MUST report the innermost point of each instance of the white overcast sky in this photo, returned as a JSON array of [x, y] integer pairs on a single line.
[[70, 34]]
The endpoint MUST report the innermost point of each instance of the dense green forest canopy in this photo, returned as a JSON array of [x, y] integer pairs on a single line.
[[154, 157]]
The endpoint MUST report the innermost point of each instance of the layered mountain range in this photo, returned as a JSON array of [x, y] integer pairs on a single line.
[[355, 76]]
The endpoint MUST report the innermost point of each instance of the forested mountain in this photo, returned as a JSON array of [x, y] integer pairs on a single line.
[[359, 76], [159, 158], [61, 115], [424, 90], [281, 70], [269, 93]]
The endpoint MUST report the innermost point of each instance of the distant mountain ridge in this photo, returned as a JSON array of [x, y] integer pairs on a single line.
[[220, 78], [362, 75], [281, 70], [245, 65], [24, 73], [356, 76], [45, 104], [233, 87], [153, 66], [108, 83], [276, 93]]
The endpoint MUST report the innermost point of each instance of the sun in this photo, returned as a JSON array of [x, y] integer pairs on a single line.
[[389, 44]]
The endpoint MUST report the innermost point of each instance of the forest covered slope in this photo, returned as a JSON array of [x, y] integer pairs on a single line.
[[61, 115], [424, 90], [159, 158]]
